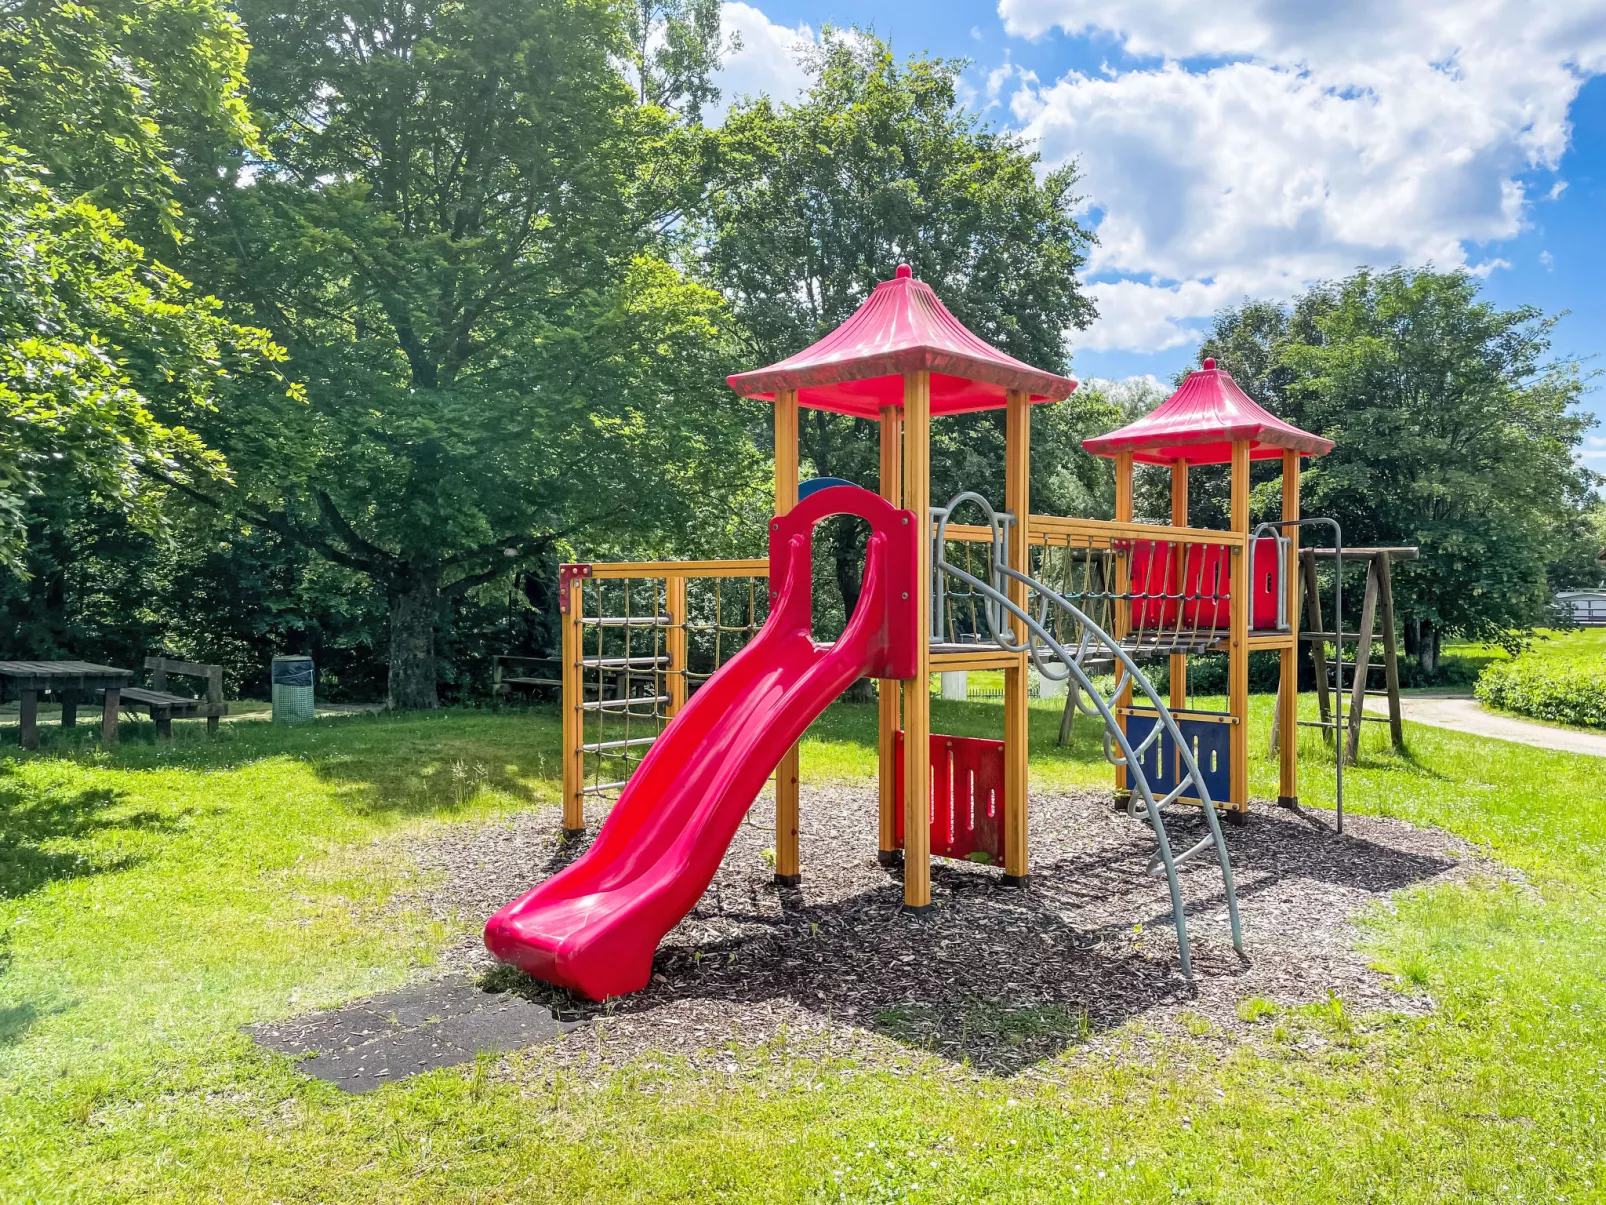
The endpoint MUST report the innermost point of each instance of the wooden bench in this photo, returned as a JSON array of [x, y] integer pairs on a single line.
[[163, 705], [534, 673]]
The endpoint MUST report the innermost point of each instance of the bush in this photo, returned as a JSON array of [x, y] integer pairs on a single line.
[[1547, 690]]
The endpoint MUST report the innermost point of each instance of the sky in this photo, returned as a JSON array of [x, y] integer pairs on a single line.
[[1250, 149]]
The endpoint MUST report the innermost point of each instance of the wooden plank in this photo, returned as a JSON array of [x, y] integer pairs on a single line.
[[1017, 500], [1288, 668], [888, 715], [1363, 655], [788, 858], [1053, 530], [1391, 659], [675, 643], [571, 700], [1178, 663], [614, 570], [1238, 639], [1123, 609], [1395, 553], [1318, 650], [917, 690], [943, 660], [28, 719], [192, 669]]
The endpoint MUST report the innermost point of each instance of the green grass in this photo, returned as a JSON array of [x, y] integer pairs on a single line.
[[1579, 645], [154, 899]]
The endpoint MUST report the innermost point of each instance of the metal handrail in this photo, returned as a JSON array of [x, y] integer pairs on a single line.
[[1036, 634]]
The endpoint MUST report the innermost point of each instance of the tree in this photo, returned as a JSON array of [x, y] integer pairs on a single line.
[[107, 357], [1452, 431], [453, 224], [878, 164], [675, 48]]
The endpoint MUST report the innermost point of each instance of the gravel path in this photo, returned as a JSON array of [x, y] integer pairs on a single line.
[[1003, 978], [1463, 713]]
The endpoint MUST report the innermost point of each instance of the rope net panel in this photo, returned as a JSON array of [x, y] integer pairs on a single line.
[[627, 673]]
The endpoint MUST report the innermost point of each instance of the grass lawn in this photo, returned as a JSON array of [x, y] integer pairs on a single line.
[[153, 899], [1580, 645]]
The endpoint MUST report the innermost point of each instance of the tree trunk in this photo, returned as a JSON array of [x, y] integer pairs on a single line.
[[414, 609], [1427, 649]]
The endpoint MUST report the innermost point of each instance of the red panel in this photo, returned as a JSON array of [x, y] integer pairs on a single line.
[[967, 798], [1263, 585]]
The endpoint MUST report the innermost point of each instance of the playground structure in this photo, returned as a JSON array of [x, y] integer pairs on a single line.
[[938, 594]]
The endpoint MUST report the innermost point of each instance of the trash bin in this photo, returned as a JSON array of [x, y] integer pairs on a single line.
[[292, 689]]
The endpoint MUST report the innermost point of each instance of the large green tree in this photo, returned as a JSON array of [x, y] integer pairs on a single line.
[[879, 164], [108, 358], [1452, 428], [455, 224]]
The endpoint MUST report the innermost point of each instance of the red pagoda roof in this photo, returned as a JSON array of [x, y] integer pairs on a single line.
[[901, 327], [1200, 422]]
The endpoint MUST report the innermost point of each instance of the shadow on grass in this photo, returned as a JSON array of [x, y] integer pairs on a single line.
[[412, 764], [40, 823]]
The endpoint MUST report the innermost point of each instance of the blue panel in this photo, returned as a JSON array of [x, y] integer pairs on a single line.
[[1209, 739], [815, 484]]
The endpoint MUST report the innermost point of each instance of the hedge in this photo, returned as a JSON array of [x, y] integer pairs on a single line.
[[1547, 690]]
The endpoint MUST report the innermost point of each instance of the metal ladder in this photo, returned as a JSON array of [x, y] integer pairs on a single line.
[[1059, 664]]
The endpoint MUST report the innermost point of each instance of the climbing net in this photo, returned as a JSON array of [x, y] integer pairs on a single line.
[[648, 641]]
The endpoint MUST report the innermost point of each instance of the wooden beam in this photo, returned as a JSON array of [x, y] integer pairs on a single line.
[[1179, 518], [1017, 500], [1238, 640], [788, 860], [1363, 657], [1391, 657], [28, 718], [675, 643], [108, 715], [571, 696], [889, 689], [1288, 674], [1123, 609], [917, 690]]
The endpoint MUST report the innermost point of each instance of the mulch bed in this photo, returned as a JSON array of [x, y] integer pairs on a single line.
[[996, 978]]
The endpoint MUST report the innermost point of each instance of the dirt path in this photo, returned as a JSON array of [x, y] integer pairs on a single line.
[[1462, 713]]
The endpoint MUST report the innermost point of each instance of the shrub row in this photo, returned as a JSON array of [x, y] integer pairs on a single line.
[[1547, 690]]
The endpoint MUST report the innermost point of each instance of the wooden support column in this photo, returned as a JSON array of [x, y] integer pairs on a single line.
[[28, 719], [788, 864], [1363, 660], [214, 697], [108, 715], [1123, 609], [917, 690], [1238, 644], [571, 599], [675, 642], [69, 707], [1391, 652], [888, 690], [1288, 676], [1017, 718], [1179, 553]]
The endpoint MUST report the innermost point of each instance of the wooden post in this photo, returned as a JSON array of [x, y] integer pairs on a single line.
[[69, 708], [1179, 518], [675, 672], [28, 719], [1017, 715], [788, 860], [917, 690], [572, 696], [1363, 657], [1238, 646], [888, 689], [1391, 663], [214, 697], [162, 717], [1288, 674], [1318, 648], [159, 675], [1123, 609], [108, 715]]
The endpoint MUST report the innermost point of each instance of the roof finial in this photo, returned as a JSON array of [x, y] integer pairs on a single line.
[[904, 272], [1209, 364]]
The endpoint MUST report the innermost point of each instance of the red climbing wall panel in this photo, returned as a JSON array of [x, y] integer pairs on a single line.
[[967, 798]]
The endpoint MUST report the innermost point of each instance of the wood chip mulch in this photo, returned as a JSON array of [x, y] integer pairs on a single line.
[[995, 978]]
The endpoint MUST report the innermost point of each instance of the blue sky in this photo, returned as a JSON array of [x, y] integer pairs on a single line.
[[1248, 149]]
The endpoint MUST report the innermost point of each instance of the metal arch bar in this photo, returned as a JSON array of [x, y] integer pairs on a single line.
[[1338, 650]]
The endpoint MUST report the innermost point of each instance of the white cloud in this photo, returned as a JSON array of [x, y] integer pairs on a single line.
[[767, 62], [1335, 135]]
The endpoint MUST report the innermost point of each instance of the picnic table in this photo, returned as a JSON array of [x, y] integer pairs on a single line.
[[71, 682]]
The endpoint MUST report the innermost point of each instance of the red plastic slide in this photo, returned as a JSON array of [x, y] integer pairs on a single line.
[[593, 927]]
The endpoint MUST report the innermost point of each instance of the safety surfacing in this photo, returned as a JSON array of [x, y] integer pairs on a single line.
[[418, 1028]]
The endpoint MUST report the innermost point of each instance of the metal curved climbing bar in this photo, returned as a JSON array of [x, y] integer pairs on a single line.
[[1064, 665]]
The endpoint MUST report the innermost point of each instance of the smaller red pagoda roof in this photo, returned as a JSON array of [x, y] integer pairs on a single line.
[[1201, 421], [901, 327]]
